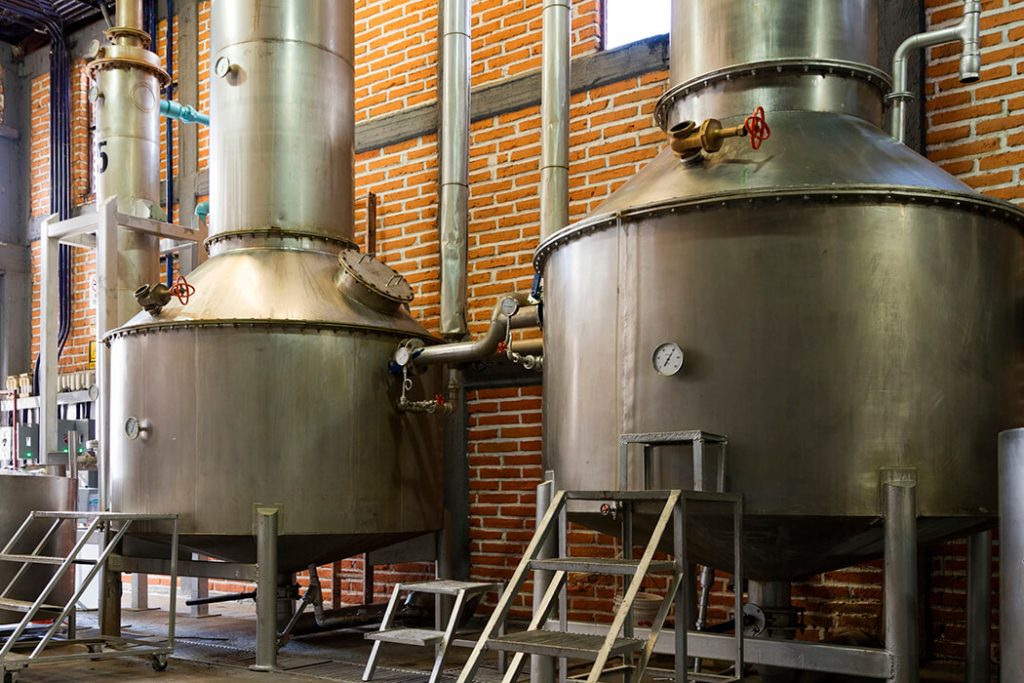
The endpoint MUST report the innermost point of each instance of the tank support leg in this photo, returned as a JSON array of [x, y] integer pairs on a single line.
[[1011, 555], [542, 669], [901, 579], [979, 607], [111, 590], [266, 589]]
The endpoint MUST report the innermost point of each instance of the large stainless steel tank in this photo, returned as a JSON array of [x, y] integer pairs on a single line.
[[271, 385], [844, 306], [21, 494]]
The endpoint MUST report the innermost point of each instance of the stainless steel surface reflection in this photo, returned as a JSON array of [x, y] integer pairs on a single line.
[[844, 307]]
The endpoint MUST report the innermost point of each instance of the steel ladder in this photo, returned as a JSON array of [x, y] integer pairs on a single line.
[[113, 527], [440, 637], [620, 639]]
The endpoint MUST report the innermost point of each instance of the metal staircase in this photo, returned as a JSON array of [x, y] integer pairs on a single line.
[[620, 638], [18, 652], [440, 638]]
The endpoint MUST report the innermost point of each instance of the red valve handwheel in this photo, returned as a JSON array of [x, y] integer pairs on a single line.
[[502, 347], [439, 400], [757, 128], [183, 290]]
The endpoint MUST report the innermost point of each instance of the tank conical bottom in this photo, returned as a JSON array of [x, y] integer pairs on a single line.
[[780, 548], [294, 552]]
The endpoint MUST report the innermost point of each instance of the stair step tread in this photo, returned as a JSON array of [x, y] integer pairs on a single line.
[[408, 636], [25, 606], [449, 587], [40, 559], [561, 644], [600, 565]]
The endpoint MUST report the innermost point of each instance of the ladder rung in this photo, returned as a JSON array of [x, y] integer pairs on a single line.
[[407, 636], [600, 565], [559, 644], [25, 606], [41, 559]]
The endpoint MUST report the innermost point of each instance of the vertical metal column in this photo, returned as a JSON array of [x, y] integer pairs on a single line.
[[1011, 555], [48, 325], [979, 607], [111, 591], [542, 669], [554, 111], [106, 319], [266, 589], [901, 579], [140, 592], [453, 209]]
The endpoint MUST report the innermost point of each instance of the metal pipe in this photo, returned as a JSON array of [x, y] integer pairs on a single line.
[[266, 589], [966, 32], [542, 668], [979, 607], [453, 209], [554, 112], [1011, 555], [900, 596], [506, 313], [528, 347], [128, 14], [227, 597], [771, 597], [169, 132]]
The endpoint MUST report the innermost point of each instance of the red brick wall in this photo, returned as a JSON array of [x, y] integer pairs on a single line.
[[974, 132]]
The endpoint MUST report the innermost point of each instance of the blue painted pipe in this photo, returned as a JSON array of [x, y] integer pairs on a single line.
[[183, 112]]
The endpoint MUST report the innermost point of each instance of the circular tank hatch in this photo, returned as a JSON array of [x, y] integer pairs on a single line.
[[371, 281]]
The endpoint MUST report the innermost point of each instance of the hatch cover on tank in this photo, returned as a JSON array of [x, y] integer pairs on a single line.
[[376, 276]]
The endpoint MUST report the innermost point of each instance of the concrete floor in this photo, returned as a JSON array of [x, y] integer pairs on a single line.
[[221, 648]]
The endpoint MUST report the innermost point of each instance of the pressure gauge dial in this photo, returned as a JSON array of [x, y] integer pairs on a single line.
[[668, 359], [132, 428]]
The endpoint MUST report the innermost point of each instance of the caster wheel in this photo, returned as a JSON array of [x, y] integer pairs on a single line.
[[160, 663]]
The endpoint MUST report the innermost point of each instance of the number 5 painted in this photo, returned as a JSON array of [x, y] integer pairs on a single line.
[[103, 156]]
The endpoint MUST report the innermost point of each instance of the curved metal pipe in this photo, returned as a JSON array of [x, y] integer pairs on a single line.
[[966, 32], [511, 310]]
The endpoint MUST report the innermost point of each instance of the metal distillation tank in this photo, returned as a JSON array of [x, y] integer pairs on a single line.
[[271, 386], [844, 308]]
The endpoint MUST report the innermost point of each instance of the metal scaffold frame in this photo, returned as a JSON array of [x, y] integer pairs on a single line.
[[96, 231]]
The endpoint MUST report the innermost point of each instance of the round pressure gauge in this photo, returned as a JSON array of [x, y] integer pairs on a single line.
[[222, 67], [668, 359], [132, 428]]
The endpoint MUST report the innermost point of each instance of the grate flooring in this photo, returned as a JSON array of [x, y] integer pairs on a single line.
[[317, 667]]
